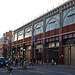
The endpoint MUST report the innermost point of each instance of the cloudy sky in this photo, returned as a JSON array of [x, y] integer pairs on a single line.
[[16, 13]]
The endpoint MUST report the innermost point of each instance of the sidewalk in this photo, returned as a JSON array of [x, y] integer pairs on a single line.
[[21, 68], [56, 66], [66, 66], [45, 66]]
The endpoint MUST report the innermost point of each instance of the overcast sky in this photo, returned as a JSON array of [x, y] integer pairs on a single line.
[[16, 13]]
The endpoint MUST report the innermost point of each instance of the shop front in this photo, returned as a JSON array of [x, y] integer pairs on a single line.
[[39, 54], [28, 53], [53, 52], [52, 49], [69, 52]]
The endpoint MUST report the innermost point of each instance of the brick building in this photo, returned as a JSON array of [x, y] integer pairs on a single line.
[[50, 36], [1, 46], [6, 43]]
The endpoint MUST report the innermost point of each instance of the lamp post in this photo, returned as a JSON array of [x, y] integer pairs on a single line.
[[21, 48], [21, 51], [69, 52], [24, 57], [21, 55], [13, 52]]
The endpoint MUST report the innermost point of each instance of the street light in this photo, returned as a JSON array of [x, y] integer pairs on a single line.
[[24, 57], [69, 51], [21, 48], [24, 49], [24, 54]]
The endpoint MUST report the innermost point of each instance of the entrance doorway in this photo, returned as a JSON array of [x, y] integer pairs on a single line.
[[53, 54], [73, 55], [38, 56], [69, 55]]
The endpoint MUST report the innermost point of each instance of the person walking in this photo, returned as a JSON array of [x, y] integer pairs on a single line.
[[9, 69]]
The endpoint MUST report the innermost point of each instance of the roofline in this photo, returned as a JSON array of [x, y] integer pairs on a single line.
[[42, 15]]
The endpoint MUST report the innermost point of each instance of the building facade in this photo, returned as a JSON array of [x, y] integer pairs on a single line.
[[7, 36], [5, 43], [51, 36], [1, 47]]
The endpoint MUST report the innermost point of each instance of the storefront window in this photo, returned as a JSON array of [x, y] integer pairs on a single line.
[[65, 36], [57, 38], [51, 45], [20, 34], [39, 46], [57, 44], [70, 35], [74, 35], [29, 48], [53, 22], [28, 32], [38, 28], [69, 16]]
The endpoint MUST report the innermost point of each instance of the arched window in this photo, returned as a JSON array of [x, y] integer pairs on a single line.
[[69, 16], [38, 28], [52, 23], [28, 31], [20, 34]]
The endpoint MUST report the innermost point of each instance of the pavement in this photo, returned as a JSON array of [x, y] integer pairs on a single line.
[[45, 69]]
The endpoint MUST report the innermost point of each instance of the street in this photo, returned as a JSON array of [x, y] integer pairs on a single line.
[[41, 70]]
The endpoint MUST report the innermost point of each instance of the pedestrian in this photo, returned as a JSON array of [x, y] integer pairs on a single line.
[[52, 61], [16, 62], [9, 69]]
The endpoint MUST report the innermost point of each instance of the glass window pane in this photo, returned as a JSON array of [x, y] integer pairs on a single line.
[[53, 23], [38, 28], [20, 34], [69, 16], [28, 32], [57, 44], [15, 37]]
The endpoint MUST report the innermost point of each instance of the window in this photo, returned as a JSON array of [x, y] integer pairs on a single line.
[[65, 36], [69, 16], [39, 46], [28, 32], [70, 35], [57, 38], [20, 34], [51, 45], [15, 36], [29, 48], [38, 28], [57, 44], [53, 23], [74, 35]]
